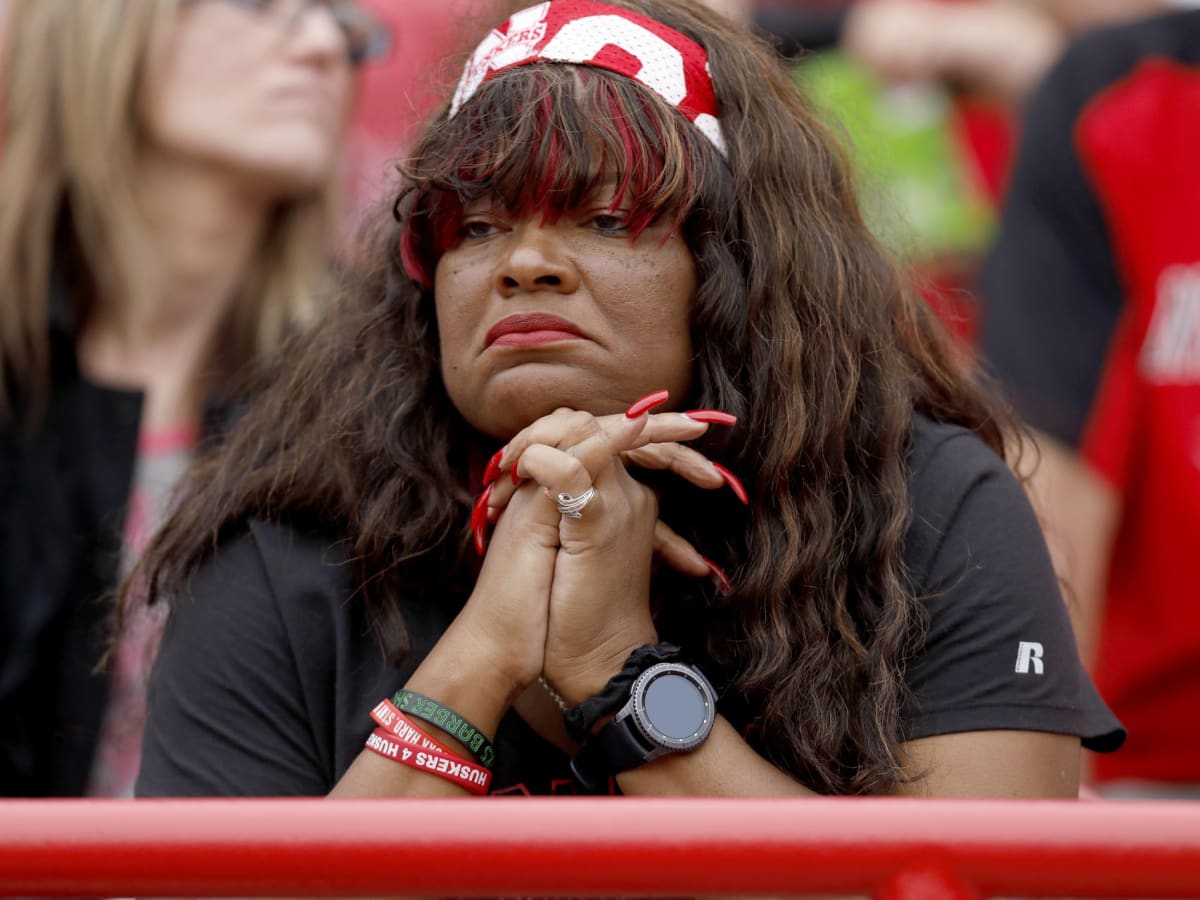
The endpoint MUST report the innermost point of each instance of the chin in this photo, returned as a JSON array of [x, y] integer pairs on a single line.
[[294, 179], [291, 167]]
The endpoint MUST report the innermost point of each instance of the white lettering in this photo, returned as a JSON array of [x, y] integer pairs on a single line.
[[378, 744], [406, 754], [497, 50], [384, 715], [1029, 653], [1171, 351], [411, 735], [525, 29]]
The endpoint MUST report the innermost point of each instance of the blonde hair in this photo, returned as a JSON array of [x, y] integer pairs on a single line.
[[72, 79]]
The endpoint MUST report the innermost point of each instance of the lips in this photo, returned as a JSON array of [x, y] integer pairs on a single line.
[[530, 329]]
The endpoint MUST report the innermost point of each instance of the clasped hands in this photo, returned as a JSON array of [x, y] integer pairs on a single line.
[[568, 598]]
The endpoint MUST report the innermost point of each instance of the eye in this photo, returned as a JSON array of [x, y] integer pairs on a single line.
[[476, 229], [609, 223]]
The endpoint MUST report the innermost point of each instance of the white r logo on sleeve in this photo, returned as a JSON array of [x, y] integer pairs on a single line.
[[1029, 653]]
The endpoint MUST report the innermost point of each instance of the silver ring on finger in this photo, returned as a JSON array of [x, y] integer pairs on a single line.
[[572, 507]]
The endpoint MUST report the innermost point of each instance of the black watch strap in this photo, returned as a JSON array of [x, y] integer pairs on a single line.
[[616, 748]]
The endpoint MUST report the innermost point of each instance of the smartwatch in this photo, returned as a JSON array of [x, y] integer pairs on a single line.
[[671, 709]]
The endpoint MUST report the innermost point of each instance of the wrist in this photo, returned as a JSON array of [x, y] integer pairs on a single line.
[[583, 720], [671, 709], [577, 684], [459, 676], [474, 654], [586, 675]]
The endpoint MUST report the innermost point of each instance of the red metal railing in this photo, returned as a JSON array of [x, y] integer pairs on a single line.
[[599, 847]]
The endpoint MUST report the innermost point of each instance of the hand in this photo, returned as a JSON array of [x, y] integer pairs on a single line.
[[599, 604], [505, 619], [656, 447]]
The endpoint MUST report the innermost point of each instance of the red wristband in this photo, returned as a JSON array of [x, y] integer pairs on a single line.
[[466, 774], [387, 717]]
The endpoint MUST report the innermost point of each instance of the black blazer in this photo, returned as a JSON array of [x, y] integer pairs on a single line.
[[63, 494], [62, 499]]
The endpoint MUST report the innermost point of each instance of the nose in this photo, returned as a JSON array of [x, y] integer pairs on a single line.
[[535, 260]]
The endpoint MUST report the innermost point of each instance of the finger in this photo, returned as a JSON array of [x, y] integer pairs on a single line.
[[563, 427], [566, 427], [561, 430], [565, 432], [656, 445], [557, 471], [685, 462], [611, 497], [663, 428], [606, 439], [520, 555], [680, 555], [613, 435]]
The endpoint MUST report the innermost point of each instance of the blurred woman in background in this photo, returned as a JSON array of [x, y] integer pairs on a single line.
[[167, 177]]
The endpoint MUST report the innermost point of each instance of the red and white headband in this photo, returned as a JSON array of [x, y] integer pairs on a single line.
[[588, 33]]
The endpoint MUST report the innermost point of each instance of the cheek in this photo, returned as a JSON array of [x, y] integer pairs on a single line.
[[456, 315], [652, 310], [672, 295], [193, 103], [678, 298]]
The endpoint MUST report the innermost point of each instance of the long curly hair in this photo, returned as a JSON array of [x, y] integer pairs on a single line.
[[803, 325]]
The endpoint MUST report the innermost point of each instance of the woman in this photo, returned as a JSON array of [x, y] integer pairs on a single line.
[[167, 182], [624, 212]]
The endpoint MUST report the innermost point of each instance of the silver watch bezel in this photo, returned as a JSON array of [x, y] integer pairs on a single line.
[[635, 709]]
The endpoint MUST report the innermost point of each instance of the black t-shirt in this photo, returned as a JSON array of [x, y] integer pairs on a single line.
[[268, 672]]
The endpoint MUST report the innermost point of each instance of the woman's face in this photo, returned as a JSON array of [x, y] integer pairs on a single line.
[[249, 92], [537, 315]]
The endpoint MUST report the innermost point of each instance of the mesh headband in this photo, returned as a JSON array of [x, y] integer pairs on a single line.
[[584, 32]]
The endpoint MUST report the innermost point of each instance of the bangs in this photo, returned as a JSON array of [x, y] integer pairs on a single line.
[[542, 139]]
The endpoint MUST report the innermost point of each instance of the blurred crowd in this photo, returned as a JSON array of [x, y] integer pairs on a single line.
[[165, 220]]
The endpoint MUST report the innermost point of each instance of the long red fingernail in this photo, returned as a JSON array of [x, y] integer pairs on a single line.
[[647, 403], [479, 520], [515, 477], [479, 514], [720, 579], [733, 482], [712, 416], [492, 472]]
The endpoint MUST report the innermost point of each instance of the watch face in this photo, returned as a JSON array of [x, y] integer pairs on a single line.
[[674, 707]]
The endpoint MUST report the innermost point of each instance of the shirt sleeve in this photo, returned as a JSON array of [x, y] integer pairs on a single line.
[[1052, 294], [999, 650], [226, 714]]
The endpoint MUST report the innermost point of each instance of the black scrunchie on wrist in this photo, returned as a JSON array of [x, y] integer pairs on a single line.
[[583, 718]]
